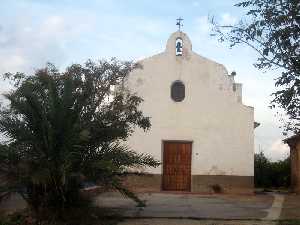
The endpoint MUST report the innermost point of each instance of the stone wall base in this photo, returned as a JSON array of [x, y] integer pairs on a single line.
[[206, 184], [223, 184], [143, 183]]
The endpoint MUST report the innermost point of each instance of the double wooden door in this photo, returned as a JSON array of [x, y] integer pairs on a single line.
[[177, 166]]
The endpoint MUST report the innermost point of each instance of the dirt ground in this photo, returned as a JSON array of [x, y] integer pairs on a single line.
[[169, 205], [173, 209], [291, 207], [193, 222]]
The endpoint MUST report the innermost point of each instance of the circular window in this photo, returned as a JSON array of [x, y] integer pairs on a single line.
[[177, 91]]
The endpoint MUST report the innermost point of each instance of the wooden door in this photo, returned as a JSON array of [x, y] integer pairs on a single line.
[[177, 166]]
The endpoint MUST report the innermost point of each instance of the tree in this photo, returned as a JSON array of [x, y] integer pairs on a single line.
[[268, 174], [261, 170], [272, 29], [62, 128]]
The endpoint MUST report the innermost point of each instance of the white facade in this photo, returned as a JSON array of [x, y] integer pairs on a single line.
[[212, 114]]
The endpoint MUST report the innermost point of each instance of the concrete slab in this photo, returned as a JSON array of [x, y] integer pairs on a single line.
[[165, 205], [275, 210]]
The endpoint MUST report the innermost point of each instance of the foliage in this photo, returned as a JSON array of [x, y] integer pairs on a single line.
[[87, 215], [269, 174], [272, 29], [289, 222], [64, 128]]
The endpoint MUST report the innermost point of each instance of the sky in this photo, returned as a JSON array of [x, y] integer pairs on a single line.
[[34, 32]]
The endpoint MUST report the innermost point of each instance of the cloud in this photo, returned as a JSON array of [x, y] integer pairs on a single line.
[[228, 19], [195, 4], [203, 25], [268, 138], [25, 46], [278, 150], [28, 42]]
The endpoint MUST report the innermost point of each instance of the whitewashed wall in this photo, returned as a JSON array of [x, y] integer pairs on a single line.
[[211, 115]]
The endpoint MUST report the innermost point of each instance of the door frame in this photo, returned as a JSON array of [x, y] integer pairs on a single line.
[[162, 159]]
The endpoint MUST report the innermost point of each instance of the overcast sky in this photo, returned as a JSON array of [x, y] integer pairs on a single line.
[[33, 32]]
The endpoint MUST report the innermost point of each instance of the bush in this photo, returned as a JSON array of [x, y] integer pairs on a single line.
[[268, 174], [85, 215]]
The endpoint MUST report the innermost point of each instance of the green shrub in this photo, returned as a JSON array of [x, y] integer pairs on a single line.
[[268, 174]]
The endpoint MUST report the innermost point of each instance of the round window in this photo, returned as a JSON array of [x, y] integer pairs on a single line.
[[177, 91]]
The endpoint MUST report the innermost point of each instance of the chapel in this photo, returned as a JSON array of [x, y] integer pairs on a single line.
[[201, 131]]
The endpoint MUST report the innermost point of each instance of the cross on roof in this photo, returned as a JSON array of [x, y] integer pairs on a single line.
[[179, 24]]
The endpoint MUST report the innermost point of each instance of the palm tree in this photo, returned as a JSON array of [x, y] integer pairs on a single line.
[[62, 128]]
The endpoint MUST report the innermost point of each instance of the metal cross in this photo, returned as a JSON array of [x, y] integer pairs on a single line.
[[179, 24]]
